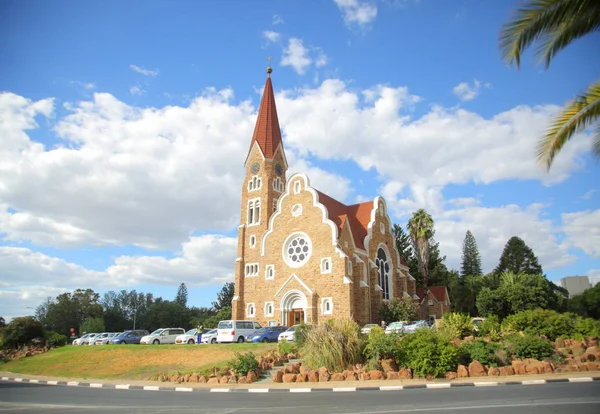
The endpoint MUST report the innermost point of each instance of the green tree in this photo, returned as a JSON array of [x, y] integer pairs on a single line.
[[405, 249], [420, 229], [471, 259], [489, 302], [223, 315], [2, 322], [41, 312], [182, 295], [397, 310], [70, 310], [92, 324], [586, 304], [22, 330], [517, 257], [556, 23], [224, 297]]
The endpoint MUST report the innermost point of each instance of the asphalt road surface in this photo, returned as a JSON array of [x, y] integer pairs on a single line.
[[571, 398]]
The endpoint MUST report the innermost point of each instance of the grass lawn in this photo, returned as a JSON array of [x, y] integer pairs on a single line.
[[130, 361]]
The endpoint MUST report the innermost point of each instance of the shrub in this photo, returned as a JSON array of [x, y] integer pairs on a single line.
[[285, 347], [530, 346], [548, 323], [244, 363], [381, 346], [92, 325], [491, 328], [588, 327], [21, 331], [55, 339], [335, 345], [482, 351], [456, 325], [428, 353], [398, 310], [301, 334]]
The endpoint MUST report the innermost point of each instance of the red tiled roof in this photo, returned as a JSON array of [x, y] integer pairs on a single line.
[[267, 132], [356, 215], [439, 292]]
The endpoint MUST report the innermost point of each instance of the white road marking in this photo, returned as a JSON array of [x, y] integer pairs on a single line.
[[440, 385], [581, 379], [258, 390], [485, 384], [122, 387], [300, 390], [391, 388]]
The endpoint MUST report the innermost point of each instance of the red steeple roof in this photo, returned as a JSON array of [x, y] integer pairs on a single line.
[[266, 132]]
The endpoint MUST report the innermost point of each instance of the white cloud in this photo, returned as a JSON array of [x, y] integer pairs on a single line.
[[271, 36], [357, 12], [277, 20], [583, 231], [468, 92], [321, 59], [85, 85], [28, 277], [142, 71], [296, 55], [136, 90], [588, 194]]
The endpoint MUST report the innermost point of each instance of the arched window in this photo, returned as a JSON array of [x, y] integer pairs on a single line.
[[327, 306], [250, 310], [383, 268], [270, 272], [255, 183], [252, 241], [278, 184], [382, 228], [254, 211], [326, 265], [297, 187]]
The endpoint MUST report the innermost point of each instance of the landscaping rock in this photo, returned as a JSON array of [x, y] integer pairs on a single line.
[[224, 379], [287, 378], [213, 380], [493, 372], [304, 370], [203, 379], [302, 377], [546, 367], [278, 376], [313, 376], [592, 366], [519, 367], [559, 343], [405, 373], [506, 371], [532, 369], [376, 374], [388, 365], [242, 380], [324, 374], [450, 375], [462, 371], [292, 369], [364, 376], [232, 379], [337, 377], [476, 369], [392, 375]]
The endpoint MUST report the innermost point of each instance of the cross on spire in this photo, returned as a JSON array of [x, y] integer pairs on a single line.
[[269, 69]]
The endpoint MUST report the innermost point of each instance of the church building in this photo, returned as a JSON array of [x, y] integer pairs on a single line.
[[303, 256]]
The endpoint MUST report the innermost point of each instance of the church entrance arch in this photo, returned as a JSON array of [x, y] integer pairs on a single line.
[[293, 308]]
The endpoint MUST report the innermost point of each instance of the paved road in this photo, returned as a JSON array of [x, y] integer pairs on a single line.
[[572, 398]]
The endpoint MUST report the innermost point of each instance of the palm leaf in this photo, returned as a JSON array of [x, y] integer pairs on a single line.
[[575, 117], [558, 22]]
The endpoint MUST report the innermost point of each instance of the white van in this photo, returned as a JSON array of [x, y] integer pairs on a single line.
[[236, 331], [162, 336]]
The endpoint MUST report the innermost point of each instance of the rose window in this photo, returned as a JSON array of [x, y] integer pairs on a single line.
[[298, 250]]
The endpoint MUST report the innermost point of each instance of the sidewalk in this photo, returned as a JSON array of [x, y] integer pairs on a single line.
[[381, 385]]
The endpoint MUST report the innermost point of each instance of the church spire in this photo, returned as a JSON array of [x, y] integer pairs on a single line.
[[266, 132]]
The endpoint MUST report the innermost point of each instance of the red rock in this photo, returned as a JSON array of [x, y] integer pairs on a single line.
[[324, 374], [493, 372], [388, 365], [337, 377], [583, 367], [289, 378], [505, 371], [405, 373], [559, 343], [392, 375], [532, 369], [213, 380], [451, 375], [462, 371], [364, 376], [203, 379], [301, 377], [232, 379], [278, 376], [376, 374], [304, 370], [546, 368], [476, 369], [519, 367], [224, 379], [243, 380], [251, 377], [313, 376]]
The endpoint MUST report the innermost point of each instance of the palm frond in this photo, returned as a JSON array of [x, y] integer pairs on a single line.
[[575, 117], [539, 19]]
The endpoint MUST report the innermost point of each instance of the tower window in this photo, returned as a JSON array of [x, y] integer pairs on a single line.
[[252, 241], [251, 269], [326, 265], [297, 187], [278, 184], [255, 183], [254, 211]]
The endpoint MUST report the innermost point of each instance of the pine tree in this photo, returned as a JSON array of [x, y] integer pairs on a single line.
[[182, 295], [224, 297], [517, 257], [471, 259], [404, 246]]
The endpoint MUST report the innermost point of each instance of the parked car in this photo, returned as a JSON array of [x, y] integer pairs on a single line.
[[367, 328], [190, 337], [162, 336], [89, 340], [267, 334], [396, 327], [415, 325], [103, 338], [210, 337], [129, 337], [236, 331], [289, 335], [78, 341]]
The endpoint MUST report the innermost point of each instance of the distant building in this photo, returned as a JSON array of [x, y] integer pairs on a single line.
[[575, 284], [594, 280]]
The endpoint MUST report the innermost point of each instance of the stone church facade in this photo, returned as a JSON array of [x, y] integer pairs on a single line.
[[303, 256]]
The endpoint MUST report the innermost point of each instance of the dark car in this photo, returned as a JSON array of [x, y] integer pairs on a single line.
[[129, 337], [267, 334]]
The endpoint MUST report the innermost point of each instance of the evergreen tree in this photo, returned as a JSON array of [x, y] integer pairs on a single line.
[[182, 295], [420, 228], [471, 259], [404, 246], [224, 297], [517, 257]]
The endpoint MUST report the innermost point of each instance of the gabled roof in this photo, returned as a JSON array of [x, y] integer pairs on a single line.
[[356, 215], [267, 133], [439, 292]]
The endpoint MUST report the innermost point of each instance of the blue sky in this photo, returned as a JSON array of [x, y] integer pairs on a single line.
[[145, 111]]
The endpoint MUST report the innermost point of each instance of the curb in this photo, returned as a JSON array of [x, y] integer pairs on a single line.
[[436, 385]]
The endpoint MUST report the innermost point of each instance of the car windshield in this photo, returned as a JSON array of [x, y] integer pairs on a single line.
[[214, 331], [292, 329], [191, 332], [157, 332], [225, 325], [396, 324], [262, 330]]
